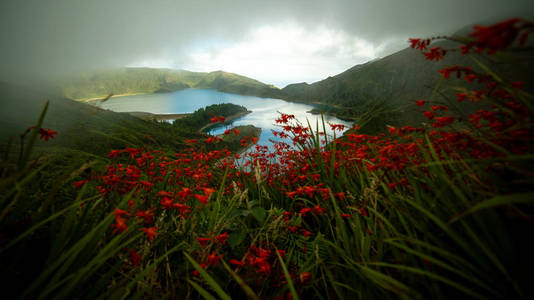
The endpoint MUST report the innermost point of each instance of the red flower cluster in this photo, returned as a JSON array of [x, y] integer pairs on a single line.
[[169, 189], [217, 119]]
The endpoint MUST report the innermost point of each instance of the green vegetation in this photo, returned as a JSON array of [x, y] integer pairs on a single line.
[[147, 80], [371, 115], [202, 117], [83, 127]]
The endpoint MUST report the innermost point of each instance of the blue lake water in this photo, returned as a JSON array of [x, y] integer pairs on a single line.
[[264, 110]]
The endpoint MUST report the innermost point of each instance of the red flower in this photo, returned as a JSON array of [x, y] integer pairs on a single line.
[[464, 49], [119, 212], [208, 191], [114, 153], [222, 238], [340, 195], [429, 114], [150, 232], [196, 272], [443, 121], [460, 96], [435, 53], [420, 102], [214, 120], [203, 241], [213, 259], [392, 130], [46, 134], [236, 262], [78, 184], [147, 216], [202, 198], [338, 127], [304, 211], [318, 210], [306, 233], [135, 258], [470, 77], [497, 36], [305, 277], [440, 107], [287, 215], [120, 225], [414, 42], [166, 202], [183, 208], [517, 84]]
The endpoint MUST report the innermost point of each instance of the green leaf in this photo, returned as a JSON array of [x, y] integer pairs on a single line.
[[526, 198], [211, 282], [288, 277], [237, 237], [246, 288], [259, 213], [33, 137], [201, 290]]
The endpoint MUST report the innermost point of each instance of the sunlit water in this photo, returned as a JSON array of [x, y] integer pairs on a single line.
[[264, 110]]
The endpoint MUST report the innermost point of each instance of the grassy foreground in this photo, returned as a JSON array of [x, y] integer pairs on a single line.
[[440, 211]]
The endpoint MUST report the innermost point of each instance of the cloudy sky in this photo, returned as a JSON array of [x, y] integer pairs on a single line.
[[277, 42]]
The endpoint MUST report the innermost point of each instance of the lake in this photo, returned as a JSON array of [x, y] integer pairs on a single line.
[[264, 110]]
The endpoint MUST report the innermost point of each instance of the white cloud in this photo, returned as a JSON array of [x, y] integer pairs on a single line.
[[285, 53]]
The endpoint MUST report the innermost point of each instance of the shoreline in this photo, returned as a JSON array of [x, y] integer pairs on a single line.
[[157, 117], [89, 100], [165, 117], [228, 119], [152, 93]]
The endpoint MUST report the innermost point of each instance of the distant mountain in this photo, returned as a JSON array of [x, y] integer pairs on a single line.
[[148, 80], [398, 77], [394, 81]]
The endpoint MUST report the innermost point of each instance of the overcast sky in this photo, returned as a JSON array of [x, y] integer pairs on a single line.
[[277, 42]]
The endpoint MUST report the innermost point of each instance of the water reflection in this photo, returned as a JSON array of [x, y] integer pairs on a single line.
[[264, 110]]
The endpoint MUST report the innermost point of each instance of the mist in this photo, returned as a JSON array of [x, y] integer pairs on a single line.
[[42, 40]]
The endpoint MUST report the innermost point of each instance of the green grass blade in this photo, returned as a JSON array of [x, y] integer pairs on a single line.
[[246, 288], [201, 290], [525, 198], [288, 277], [211, 282]]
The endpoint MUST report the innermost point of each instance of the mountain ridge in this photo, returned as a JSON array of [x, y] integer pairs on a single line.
[[128, 80]]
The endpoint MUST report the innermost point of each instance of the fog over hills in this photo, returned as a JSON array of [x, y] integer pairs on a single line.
[[276, 42]]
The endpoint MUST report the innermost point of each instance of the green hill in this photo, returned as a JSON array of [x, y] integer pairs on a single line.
[[395, 79], [148, 80], [88, 130], [392, 83]]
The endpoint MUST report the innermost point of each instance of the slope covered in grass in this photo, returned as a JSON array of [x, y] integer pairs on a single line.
[[148, 80]]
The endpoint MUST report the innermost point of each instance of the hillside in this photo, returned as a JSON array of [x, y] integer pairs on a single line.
[[393, 81], [87, 130], [148, 80]]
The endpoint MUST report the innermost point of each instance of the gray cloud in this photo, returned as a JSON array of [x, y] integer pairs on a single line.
[[43, 38]]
